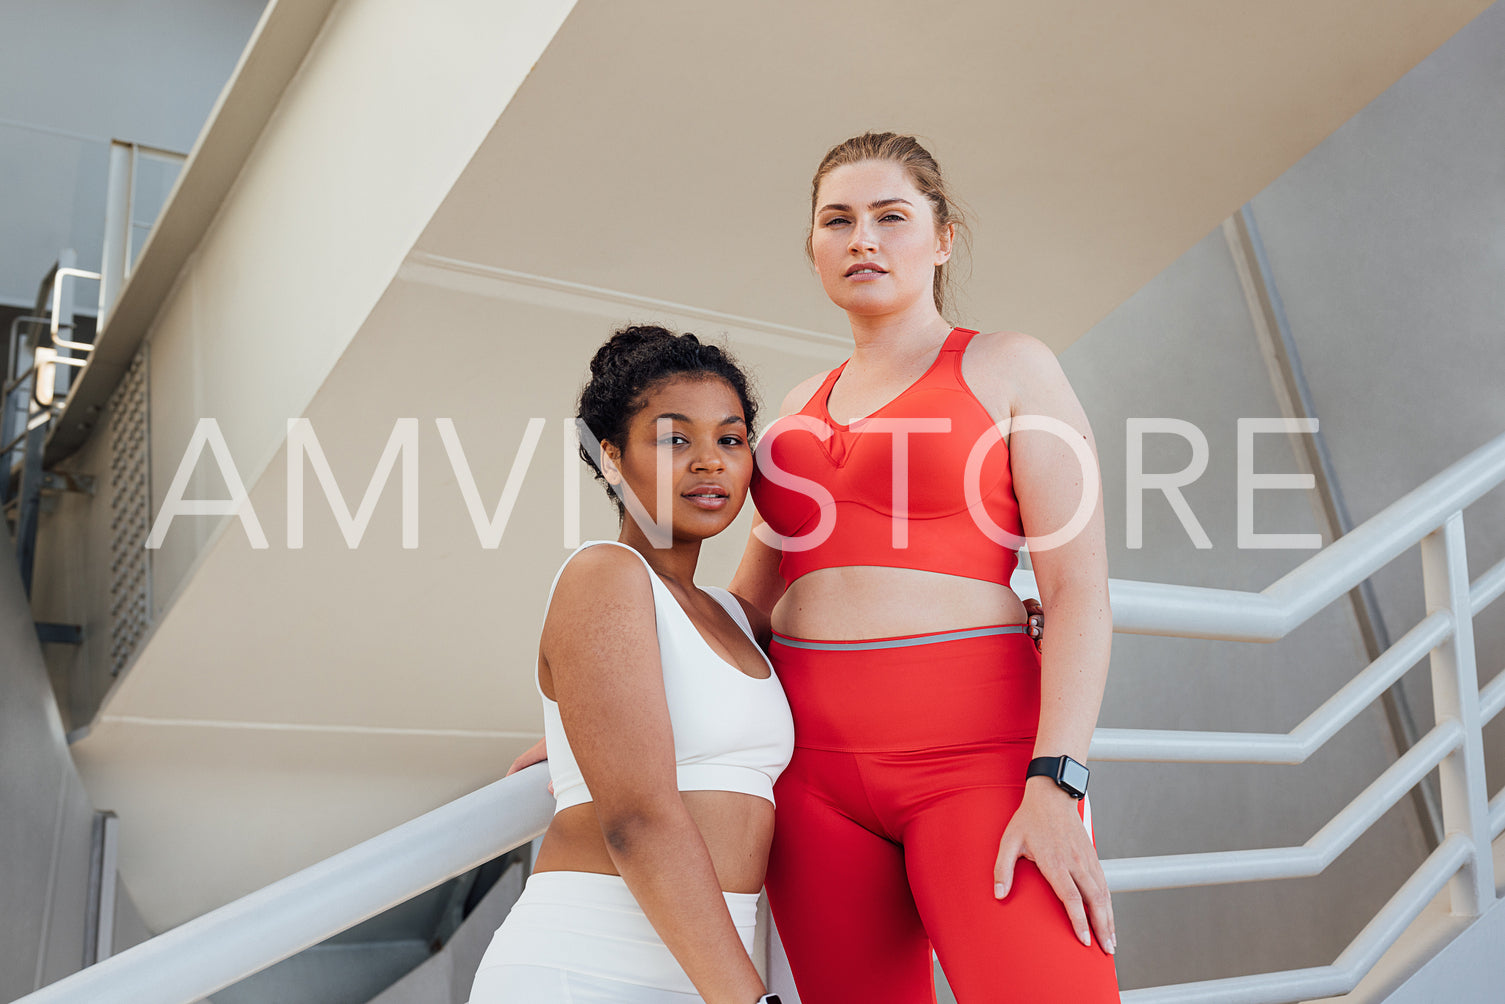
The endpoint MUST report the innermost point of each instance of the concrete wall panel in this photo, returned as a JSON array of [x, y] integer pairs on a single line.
[[320, 219], [1386, 244], [1184, 348]]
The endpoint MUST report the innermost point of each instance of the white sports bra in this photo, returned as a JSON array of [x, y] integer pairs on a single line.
[[732, 732]]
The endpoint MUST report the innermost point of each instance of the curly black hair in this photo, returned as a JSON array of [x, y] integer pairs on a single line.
[[636, 360]]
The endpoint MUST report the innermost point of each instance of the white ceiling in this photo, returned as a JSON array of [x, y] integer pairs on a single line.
[[666, 148]]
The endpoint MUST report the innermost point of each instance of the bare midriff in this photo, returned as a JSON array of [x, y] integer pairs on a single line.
[[737, 830], [870, 601]]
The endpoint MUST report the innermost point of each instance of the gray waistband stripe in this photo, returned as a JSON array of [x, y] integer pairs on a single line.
[[928, 639]]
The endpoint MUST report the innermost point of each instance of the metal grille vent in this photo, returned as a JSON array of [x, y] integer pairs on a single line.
[[130, 514]]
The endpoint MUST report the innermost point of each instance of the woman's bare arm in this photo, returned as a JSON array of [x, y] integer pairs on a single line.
[[601, 645], [1049, 482]]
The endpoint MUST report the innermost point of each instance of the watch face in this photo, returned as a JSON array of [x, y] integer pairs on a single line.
[[1073, 775]]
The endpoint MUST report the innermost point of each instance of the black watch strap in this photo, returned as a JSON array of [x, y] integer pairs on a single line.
[[1070, 775], [768, 999]]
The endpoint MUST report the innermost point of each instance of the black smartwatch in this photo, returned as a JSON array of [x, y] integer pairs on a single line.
[[768, 999], [1064, 771]]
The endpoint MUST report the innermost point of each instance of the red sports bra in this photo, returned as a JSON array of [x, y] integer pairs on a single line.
[[836, 493]]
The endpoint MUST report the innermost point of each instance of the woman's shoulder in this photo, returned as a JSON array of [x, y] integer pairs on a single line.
[[1004, 366], [1014, 347], [603, 596], [602, 574]]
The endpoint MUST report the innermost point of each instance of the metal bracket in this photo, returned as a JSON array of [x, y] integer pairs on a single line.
[[49, 633], [67, 481]]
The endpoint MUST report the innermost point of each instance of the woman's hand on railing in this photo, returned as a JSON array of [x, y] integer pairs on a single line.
[[1047, 830], [537, 753]]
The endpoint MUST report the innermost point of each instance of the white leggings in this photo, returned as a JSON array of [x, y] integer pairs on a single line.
[[581, 938]]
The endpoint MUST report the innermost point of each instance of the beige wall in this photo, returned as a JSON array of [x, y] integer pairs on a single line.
[[387, 110], [340, 184]]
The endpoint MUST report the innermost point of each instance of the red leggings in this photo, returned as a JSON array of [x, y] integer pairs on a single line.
[[908, 764]]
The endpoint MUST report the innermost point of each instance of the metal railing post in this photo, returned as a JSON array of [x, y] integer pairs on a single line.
[[1455, 694]]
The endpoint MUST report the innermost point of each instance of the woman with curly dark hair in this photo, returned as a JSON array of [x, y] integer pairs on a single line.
[[665, 724]]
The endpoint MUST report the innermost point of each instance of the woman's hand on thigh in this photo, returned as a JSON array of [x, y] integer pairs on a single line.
[[1048, 830]]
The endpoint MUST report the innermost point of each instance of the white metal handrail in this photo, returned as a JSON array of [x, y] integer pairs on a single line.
[[1269, 615], [1176, 871], [252, 933], [1432, 515], [57, 305], [1294, 747], [1357, 959], [228, 944]]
